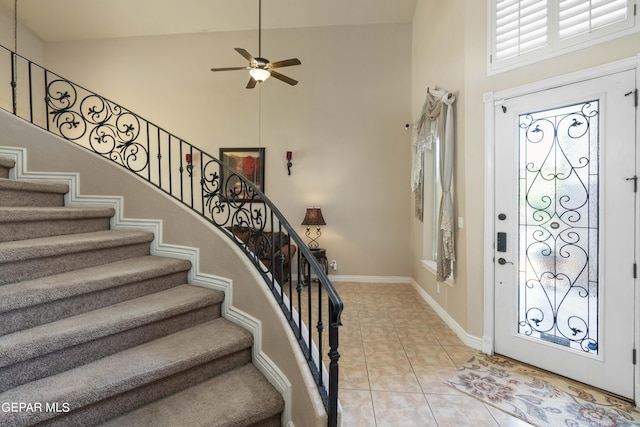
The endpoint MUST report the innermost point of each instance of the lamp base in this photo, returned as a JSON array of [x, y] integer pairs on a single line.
[[313, 241]]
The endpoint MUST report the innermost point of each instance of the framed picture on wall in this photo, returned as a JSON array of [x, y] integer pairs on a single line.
[[248, 162]]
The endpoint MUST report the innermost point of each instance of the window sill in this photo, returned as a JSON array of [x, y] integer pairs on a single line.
[[430, 265]]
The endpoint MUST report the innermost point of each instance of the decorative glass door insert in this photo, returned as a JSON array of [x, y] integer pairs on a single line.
[[558, 226]]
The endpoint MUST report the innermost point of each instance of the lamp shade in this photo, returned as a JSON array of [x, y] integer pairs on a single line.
[[313, 217]]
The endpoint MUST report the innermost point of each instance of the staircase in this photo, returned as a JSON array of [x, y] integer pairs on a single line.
[[96, 331]]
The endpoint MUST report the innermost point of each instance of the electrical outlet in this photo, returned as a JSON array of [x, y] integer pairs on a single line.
[[334, 265], [438, 287]]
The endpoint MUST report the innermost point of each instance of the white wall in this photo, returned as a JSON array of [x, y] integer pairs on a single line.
[[28, 44], [344, 121], [438, 60]]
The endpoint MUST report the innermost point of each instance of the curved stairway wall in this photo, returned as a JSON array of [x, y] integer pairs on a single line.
[[217, 263]]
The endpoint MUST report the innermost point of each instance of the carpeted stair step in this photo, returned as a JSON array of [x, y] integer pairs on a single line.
[[34, 302], [5, 166], [54, 347], [24, 193], [30, 259], [93, 327], [213, 403], [20, 223], [127, 380]]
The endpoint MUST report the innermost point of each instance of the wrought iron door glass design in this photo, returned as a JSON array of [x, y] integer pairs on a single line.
[[558, 226]]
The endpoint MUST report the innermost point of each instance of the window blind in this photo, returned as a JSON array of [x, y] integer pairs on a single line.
[[585, 16], [527, 31], [521, 26]]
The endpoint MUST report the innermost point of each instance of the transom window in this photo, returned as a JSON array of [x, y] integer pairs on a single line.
[[528, 31]]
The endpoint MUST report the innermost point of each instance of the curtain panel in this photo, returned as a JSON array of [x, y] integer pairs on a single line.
[[436, 123]]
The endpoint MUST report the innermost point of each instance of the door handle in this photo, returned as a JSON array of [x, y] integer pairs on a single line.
[[503, 261]]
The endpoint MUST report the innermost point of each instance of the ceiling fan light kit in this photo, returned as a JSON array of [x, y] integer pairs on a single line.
[[260, 69], [259, 74]]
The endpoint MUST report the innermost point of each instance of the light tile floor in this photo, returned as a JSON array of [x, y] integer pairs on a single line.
[[395, 354]]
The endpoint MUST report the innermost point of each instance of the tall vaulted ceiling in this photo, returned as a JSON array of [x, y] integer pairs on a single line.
[[64, 20]]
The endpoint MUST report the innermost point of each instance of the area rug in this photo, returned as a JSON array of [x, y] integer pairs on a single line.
[[540, 398]]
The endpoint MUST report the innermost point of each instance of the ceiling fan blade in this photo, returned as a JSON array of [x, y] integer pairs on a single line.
[[252, 83], [229, 69], [286, 63], [284, 78], [246, 54]]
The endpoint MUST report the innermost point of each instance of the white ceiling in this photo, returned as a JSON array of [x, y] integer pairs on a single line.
[[61, 20]]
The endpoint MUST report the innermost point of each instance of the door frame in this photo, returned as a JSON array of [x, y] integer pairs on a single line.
[[493, 99]]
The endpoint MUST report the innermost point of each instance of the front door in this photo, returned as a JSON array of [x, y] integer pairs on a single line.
[[565, 226]]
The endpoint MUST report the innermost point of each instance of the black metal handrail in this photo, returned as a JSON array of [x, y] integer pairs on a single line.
[[214, 190]]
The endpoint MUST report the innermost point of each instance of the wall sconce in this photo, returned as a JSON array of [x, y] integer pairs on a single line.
[[188, 159], [289, 164], [313, 216]]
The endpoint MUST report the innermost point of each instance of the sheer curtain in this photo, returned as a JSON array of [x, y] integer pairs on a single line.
[[436, 123]]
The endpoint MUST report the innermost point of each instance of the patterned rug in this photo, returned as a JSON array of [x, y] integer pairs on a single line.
[[540, 398]]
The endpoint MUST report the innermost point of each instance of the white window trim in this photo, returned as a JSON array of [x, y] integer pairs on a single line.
[[430, 240], [562, 47], [431, 266]]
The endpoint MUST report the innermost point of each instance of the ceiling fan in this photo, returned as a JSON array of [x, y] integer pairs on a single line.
[[260, 69]]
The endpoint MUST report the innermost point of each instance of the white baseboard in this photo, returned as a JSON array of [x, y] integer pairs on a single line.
[[469, 340], [369, 279]]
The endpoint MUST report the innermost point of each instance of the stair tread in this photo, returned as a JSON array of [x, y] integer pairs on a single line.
[[133, 367], [15, 214], [32, 186], [94, 362], [70, 243], [242, 397], [85, 327], [7, 163], [64, 285]]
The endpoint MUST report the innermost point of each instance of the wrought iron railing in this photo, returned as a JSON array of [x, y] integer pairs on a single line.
[[217, 192]]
